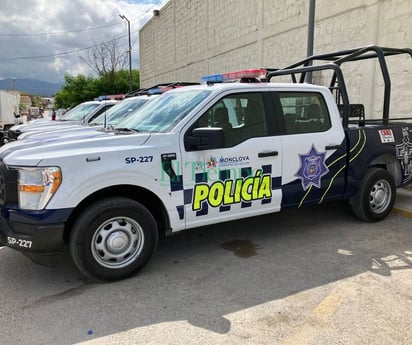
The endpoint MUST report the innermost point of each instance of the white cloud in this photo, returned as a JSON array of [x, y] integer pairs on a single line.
[[32, 28]]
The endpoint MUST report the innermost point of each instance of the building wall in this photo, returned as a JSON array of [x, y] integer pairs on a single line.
[[191, 38]]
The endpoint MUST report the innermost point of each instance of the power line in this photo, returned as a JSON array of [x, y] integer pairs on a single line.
[[74, 50], [73, 31], [59, 32], [62, 53]]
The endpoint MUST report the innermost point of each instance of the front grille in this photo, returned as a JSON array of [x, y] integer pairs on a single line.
[[8, 185], [13, 134]]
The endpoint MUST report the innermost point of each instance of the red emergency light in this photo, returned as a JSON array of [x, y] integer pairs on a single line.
[[244, 74]]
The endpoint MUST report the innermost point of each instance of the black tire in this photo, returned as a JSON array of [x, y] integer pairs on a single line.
[[375, 197], [4, 140], [113, 238]]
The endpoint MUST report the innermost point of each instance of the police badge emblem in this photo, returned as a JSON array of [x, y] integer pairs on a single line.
[[312, 168]]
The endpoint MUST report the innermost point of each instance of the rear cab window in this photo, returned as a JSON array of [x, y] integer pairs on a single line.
[[304, 112]]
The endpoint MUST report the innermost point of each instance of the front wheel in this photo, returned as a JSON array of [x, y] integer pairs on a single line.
[[375, 197], [4, 140], [113, 238]]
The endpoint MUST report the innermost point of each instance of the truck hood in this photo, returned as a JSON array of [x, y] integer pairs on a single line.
[[66, 131], [30, 152], [44, 126]]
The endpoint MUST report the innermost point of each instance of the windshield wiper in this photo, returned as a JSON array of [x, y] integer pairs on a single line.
[[125, 129]]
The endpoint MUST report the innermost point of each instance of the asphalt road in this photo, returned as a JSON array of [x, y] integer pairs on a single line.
[[310, 276]]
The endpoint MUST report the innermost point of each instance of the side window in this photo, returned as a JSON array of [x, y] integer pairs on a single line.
[[304, 112], [241, 116]]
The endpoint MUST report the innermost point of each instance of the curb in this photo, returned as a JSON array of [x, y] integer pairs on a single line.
[[402, 212], [403, 203]]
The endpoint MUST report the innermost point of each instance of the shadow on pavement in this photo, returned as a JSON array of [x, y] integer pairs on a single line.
[[202, 275]]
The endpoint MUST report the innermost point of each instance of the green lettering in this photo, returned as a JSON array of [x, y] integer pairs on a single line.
[[216, 194], [199, 194], [265, 190], [193, 169], [246, 195], [238, 189], [228, 197], [212, 175], [255, 188], [230, 192]]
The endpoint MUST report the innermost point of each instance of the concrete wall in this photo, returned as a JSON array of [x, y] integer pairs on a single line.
[[191, 38]]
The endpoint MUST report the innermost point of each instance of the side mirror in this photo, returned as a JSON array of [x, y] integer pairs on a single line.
[[205, 138]]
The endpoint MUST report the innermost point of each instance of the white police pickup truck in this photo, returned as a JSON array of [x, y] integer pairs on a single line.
[[196, 156], [83, 113]]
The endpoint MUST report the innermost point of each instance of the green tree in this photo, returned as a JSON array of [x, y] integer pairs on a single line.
[[117, 82], [80, 88], [75, 90], [108, 61]]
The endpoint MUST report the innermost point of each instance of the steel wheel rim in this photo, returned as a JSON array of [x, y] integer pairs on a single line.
[[380, 196], [117, 242]]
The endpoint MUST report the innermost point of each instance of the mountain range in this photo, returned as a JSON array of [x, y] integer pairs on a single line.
[[31, 86]]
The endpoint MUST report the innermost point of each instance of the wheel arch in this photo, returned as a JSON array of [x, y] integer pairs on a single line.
[[142, 195], [390, 163]]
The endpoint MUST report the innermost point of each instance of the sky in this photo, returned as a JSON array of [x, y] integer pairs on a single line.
[[46, 39]]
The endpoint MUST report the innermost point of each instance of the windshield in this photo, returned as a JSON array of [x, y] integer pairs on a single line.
[[120, 110], [164, 112], [79, 112]]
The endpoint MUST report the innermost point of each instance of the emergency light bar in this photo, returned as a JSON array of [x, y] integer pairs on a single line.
[[159, 88], [247, 73]]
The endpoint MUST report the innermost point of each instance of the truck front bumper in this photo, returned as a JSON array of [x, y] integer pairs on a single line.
[[41, 238], [36, 233]]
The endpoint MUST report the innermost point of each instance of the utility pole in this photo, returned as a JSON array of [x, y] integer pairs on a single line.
[[311, 31], [130, 52]]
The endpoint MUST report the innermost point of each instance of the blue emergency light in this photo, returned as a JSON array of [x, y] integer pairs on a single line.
[[244, 74]]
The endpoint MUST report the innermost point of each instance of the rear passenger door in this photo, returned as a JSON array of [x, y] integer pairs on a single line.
[[314, 150], [242, 178]]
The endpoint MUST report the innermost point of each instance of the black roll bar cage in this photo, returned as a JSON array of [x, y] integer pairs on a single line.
[[336, 59]]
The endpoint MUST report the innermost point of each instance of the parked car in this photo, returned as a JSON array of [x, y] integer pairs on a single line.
[[81, 114], [106, 120], [110, 118]]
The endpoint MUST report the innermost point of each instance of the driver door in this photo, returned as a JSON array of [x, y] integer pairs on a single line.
[[242, 177]]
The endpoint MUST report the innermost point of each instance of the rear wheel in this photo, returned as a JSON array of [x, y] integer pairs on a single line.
[[113, 238], [375, 197]]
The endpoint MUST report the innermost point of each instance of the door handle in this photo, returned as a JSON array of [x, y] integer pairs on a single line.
[[332, 147], [267, 154]]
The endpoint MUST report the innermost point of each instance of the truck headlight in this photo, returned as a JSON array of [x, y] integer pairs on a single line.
[[36, 186]]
